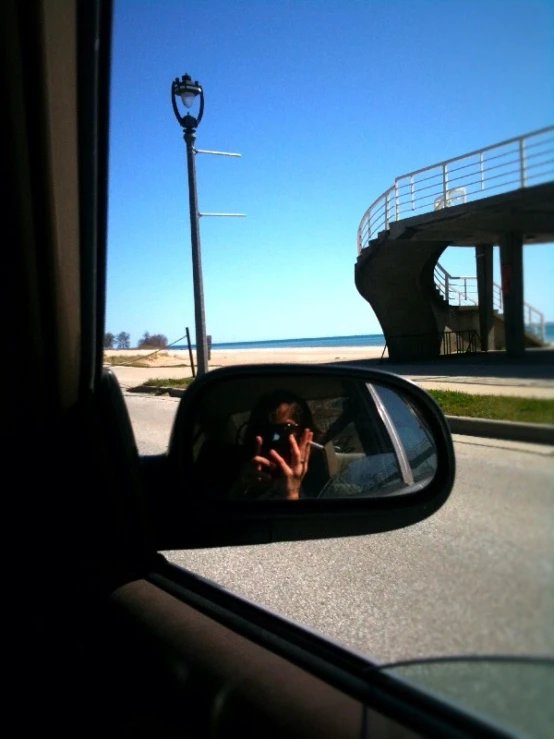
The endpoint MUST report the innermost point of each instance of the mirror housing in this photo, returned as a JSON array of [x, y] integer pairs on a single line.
[[188, 515]]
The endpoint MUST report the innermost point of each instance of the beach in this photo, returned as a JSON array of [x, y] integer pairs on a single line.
[[168, 358], [174, 364]]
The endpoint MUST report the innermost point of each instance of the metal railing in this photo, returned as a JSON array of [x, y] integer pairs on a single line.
[[509, 165], [413, 347], [462, 290]]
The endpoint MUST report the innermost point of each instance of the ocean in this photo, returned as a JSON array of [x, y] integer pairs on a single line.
[[323, 341], [326, 341], [549, 332]]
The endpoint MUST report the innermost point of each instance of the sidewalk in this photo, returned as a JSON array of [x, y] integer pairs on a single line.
[[489, 374], [488, 386]]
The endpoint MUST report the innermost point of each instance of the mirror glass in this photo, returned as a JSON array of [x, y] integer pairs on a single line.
[[301, 436]]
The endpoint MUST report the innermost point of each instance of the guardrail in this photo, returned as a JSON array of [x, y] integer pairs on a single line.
[[421, 346], [462, 290], [509, 165]]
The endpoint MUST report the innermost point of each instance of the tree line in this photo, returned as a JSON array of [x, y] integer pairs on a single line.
[[123, 341]]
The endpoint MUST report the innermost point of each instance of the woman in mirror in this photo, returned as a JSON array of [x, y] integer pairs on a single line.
[[277, 442]]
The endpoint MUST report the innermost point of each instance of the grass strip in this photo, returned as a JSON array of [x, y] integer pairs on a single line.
[[134, 360], [166, 382], [495, 407], [454, 403]]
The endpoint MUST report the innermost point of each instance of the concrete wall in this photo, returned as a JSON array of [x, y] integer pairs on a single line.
[[466, 317], [463, 318], [396, 278]]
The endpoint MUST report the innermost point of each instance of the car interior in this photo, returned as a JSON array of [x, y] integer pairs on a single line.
[[107, 638], [344, 434], [351, 423]]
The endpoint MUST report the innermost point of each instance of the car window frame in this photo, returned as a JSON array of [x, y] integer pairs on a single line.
[[83, 366]]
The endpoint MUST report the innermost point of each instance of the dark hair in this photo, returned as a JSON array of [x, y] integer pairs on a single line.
[[264, 413]]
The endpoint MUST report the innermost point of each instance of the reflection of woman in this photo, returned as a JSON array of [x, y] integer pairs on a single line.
[[277, 442]]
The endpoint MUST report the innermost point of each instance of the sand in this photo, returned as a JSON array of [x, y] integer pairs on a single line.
[[229, 357], [173, 364]]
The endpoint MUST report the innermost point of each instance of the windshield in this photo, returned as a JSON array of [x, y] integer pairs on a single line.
[[352, 119], [516, 693]]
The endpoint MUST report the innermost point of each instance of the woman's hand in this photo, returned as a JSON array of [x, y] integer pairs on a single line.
[[290, 471], [255, 478]]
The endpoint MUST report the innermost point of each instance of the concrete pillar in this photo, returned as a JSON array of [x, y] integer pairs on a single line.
[[511, 265], [483, 262]]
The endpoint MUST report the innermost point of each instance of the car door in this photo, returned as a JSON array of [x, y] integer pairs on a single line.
[[108, 638]]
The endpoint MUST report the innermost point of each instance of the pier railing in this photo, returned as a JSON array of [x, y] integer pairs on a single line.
[[509, 165]]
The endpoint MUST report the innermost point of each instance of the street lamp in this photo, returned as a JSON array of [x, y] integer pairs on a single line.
[[188, 91]]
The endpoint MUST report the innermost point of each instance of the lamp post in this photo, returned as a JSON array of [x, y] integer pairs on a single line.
[[188, 91]]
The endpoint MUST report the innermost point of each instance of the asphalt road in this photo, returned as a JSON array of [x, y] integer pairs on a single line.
[[478, 577]]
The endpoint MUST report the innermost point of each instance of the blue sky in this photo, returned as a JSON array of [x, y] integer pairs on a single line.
[[327, 101]]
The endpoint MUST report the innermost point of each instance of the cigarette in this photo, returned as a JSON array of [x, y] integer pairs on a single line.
[[316, 445]]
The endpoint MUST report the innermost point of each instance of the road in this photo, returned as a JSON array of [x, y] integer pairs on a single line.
[[478, 577]]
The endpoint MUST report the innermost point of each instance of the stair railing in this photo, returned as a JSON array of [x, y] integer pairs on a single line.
[[462, 290]]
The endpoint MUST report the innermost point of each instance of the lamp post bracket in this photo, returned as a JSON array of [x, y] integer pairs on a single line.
[[231, 215], [219, 153]]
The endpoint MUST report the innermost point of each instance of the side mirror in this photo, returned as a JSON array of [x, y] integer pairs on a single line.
[[284, 452]]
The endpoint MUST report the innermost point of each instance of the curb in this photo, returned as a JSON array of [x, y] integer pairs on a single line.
[[148, 389], [173, 392], [531, 433]]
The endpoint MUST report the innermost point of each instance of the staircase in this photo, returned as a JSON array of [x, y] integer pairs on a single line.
[[452, 293], [482, 197]]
